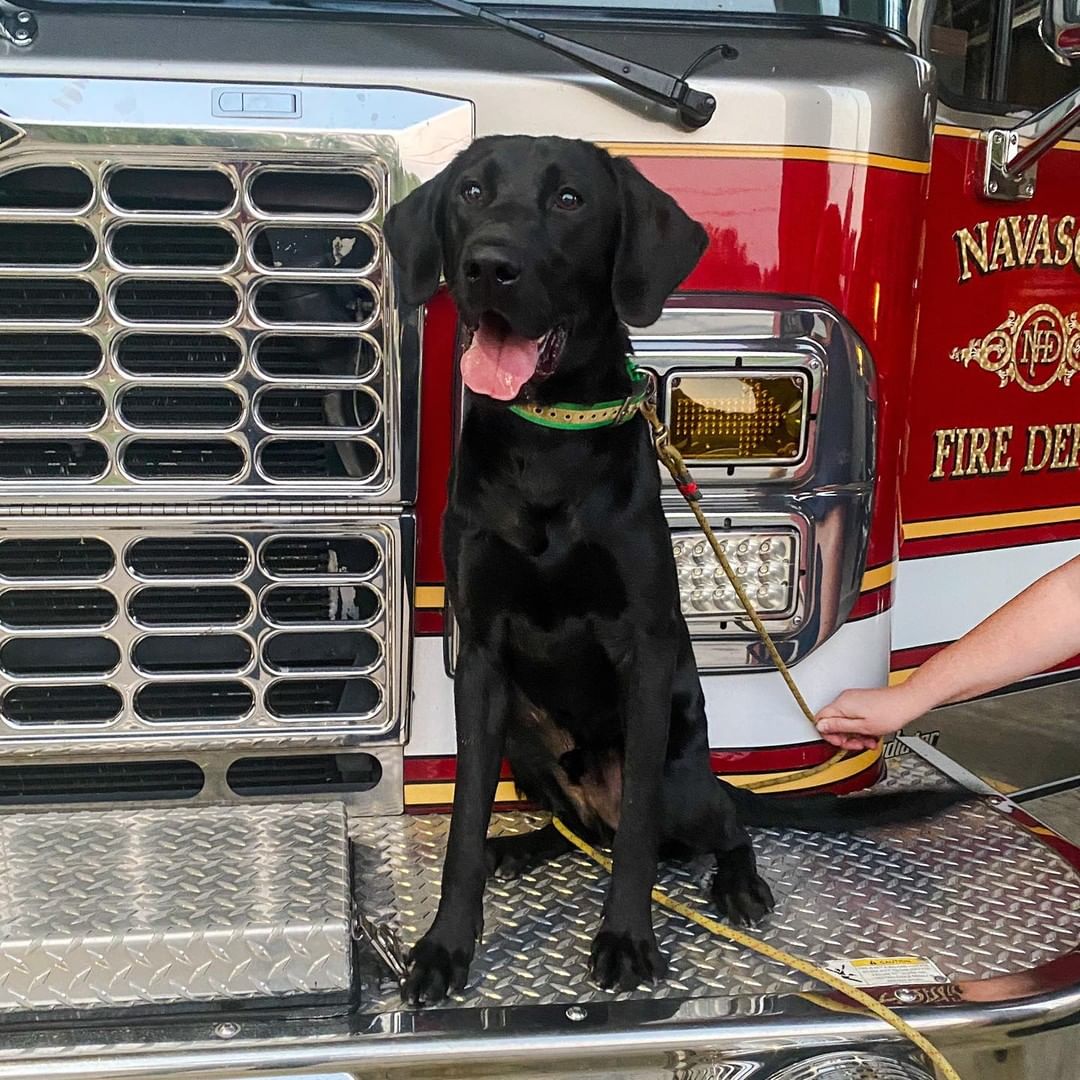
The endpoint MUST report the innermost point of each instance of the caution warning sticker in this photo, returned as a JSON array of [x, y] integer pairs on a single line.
[[886, 970]]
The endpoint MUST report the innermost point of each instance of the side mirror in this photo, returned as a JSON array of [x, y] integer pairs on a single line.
[[1060, 29]]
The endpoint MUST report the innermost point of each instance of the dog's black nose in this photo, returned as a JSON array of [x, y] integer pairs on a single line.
[[492, 267]]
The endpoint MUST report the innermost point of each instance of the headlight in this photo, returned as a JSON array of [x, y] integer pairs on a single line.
[[764, 562], [852, 1066], [736, 417]]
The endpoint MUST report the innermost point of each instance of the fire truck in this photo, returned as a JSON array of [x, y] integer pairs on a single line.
[[226, 656]]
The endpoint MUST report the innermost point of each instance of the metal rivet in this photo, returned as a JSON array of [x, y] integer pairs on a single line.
[[907, 997], [1029, 189], [24, 16], [22, 35], [993, 185], [228, 1030], [576, 1013]]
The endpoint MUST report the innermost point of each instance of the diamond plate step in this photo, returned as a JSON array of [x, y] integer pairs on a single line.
[[970, 889], [158, 907]]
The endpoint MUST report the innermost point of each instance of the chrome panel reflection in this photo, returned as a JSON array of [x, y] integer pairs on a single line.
[[388, 140], [178, 603], [828, 493]]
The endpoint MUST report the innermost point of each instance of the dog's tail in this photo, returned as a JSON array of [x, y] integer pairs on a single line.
[[833, 813]]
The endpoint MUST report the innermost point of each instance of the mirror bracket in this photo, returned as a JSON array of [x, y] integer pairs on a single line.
[[1012, 154]]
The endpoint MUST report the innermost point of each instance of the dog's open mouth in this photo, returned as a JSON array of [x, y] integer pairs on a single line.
[[499, 362]]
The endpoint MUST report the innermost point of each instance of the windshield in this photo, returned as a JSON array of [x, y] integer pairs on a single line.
[[890, 13], [887, 13]]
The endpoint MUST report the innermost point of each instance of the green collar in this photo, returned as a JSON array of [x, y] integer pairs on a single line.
[[570, 417]]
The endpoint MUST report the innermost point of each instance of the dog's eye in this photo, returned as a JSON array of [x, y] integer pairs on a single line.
[[471, 191], [568, 199]]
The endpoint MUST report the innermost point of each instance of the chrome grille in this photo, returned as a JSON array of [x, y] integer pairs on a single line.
[[208, 429], [221, 324], [146, 628]]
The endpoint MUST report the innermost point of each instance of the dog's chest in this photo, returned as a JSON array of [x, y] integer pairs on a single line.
[[553, 577]]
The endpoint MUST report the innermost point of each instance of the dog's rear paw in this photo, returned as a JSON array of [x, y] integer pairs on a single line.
[[508, 857], [435, 970], [622, 961], [741, 895]]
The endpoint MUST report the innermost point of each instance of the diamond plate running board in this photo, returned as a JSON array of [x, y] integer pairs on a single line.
[[116, 909]]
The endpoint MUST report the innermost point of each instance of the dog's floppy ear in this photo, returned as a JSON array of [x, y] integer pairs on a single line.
[[658, 247], [414, 235]]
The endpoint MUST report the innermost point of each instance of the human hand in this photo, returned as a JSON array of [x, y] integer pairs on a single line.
[[858, 719]]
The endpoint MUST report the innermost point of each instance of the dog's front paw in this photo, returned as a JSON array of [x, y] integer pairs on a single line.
[[741, 894], [622, 960], [436, 968]]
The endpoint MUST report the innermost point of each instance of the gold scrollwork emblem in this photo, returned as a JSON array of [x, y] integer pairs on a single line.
[[1035, 350]]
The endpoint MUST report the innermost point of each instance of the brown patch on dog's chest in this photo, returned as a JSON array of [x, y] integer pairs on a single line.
[[593, 786]]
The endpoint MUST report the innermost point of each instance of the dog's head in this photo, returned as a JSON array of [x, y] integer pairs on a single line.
[[539, 239]]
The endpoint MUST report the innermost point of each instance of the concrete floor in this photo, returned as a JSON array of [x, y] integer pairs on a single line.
[[1019, 741]]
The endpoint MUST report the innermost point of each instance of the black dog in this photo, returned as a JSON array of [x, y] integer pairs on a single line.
[[574, 656]]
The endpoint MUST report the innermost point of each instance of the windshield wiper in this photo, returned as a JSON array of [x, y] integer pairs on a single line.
[[694, 107]]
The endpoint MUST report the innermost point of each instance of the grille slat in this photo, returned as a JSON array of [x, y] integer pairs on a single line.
[[287, 605], [54, 705], [194, 702], [180, 355], [158, 459], [195, 247], [51, 407], [318, 459], [46, 187], [42, 609], [314, 357], [305, 193], [45, 244], [188, 557], [340, 249], [197, 605], [278, 302], [307, 556], [32, 355], [310, 409], [105, 781], [50, 559], [52, 459], [326, 697], [199, 191], [198, 301], [298, 652], [43, 657], [50, 300], [178, 407], [204, 654]]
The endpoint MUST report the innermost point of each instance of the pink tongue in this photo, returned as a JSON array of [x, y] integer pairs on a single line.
[[498, 364]]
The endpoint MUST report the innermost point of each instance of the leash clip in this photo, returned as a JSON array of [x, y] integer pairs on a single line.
[[626, 406], [384, 943]]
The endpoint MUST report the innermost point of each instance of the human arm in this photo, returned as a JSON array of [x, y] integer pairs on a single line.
[[1038, 628]]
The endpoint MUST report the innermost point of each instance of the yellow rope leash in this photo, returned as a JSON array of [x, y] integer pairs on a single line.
[[674, 463], [770, 952]]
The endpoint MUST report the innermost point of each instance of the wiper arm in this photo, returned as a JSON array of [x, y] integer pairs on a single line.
[[694, 107]]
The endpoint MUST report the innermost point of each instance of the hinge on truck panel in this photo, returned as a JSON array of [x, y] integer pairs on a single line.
[[17, 25]]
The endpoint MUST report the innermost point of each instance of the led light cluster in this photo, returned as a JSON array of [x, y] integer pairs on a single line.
[[764, 563]]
